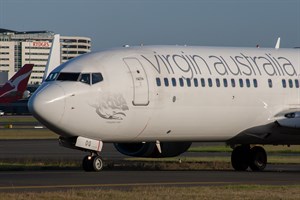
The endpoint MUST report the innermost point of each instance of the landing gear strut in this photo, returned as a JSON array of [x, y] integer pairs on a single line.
[[243, 157], [92, 162]]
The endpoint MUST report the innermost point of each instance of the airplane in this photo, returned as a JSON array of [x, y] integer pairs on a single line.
[[15, 88], [154, 101]]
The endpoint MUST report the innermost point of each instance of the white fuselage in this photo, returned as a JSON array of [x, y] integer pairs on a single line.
[[129, 104]]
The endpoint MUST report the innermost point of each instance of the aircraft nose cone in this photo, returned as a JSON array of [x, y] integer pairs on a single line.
[[48, 104]]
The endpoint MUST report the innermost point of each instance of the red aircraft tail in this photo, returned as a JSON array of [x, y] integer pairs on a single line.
[[15, 87]]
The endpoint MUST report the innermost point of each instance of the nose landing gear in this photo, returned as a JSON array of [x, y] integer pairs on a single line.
[[92, 162]]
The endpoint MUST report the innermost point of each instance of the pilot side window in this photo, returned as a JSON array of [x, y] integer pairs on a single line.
[[158, 83], [52, 76], [96, 78], [85, 78]]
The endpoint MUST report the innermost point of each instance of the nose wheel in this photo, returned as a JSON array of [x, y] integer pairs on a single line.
[[92, 163]]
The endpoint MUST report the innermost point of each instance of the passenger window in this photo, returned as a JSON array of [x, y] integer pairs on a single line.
[[248, 83], [195, 82], [225, 82], [210, 82], [65, 76], [232, 82], [270, 83], [188, 81], [290, 83], [174, 82], [202, 82], [158, 83], [241, 82], [85, 78], [96, 78], [218, 82], [255, 83], [296, 83], [166, 82], [181, 82], [283, 83]]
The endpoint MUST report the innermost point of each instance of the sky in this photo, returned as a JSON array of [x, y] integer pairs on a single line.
[[114, 23]]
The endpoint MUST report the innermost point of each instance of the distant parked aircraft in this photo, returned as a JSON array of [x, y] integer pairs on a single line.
[[15, 87]]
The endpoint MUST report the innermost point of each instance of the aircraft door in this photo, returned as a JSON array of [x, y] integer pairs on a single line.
[[140, 82]]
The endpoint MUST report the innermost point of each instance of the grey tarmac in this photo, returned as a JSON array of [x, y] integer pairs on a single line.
[[48, 180], [75, 179]]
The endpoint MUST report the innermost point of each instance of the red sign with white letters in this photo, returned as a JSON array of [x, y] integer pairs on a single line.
[[41, 44]]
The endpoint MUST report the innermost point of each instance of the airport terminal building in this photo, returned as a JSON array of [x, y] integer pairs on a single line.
[[19, 48]]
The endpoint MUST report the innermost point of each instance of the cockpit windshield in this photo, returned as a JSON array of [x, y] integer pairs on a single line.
[[68, 76], [87, 78]]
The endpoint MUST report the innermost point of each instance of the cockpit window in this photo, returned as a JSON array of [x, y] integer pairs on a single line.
[[85, 78], [88, 78], [68, 76], [96, 78], [52, 76]]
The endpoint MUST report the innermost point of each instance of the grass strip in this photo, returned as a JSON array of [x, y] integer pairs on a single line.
[[38, 165], [184, 163], [11, 134], [231, 192], [14, 119]]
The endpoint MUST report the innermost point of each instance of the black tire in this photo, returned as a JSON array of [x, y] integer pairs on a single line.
[[97, 163], [258, 159], [240, 158], [87, 164]]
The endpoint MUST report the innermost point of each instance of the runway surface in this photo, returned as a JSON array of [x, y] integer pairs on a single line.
[[58, 180], [49, 150]]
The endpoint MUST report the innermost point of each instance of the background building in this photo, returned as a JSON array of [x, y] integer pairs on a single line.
[[19, 48]]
